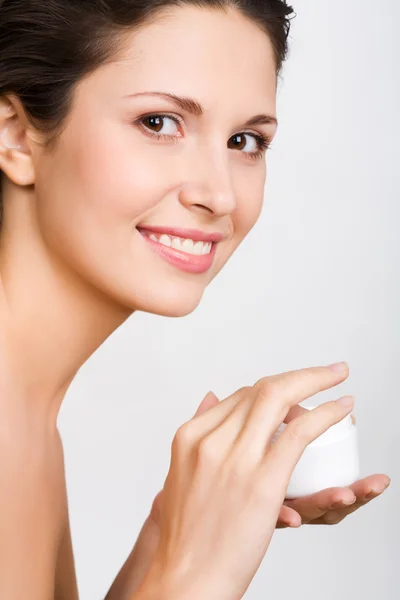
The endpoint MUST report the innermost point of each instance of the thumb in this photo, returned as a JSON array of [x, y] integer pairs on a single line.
[[209, 400]]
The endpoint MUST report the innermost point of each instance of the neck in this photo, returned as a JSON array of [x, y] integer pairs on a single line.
[[55, 319]]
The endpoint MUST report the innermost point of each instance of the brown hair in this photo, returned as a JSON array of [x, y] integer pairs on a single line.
[[46, 47]]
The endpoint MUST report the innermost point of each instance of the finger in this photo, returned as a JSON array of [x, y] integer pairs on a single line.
[[315, 505], [341, 502], [294, 412], [372, 485], [288, 518], [285, 453], [209, 400], [228, 425], [301, 384], [333, 517], [325, 376], [365, 490], [156, 507], [274, 397], [204, 420]]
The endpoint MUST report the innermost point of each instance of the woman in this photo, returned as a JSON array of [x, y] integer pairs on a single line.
[[133, 140]]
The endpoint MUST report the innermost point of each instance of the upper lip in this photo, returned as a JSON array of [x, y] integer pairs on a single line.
[[193, 234]]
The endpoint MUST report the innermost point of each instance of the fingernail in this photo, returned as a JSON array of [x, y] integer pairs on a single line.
[[377, 491], [348, 502], [339, 367], [343, 503], [293, 524], [346, 401]]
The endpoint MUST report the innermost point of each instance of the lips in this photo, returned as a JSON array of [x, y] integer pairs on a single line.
[[191, 263]]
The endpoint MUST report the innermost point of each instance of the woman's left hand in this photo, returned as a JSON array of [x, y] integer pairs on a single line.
[[330, 506]]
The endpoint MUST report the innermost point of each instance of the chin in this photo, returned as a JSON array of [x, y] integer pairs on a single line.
[[177, 310], [168, 307], [165, 301]]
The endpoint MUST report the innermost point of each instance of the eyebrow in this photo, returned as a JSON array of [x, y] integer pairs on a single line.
[[194, 108]]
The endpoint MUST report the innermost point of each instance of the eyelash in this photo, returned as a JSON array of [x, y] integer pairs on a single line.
[[264, 141]]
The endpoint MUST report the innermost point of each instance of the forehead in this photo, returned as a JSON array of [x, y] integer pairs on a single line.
[[209, 54]]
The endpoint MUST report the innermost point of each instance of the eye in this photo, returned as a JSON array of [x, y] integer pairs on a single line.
[[259, 143], [157, 122]]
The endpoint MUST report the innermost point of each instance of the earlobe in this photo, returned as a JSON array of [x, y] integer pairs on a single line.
[[17, 166]]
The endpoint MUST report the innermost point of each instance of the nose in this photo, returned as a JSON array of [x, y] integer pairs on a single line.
[[210, 190]]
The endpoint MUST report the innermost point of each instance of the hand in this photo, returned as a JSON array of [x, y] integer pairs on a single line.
[[325, 507], [226, 483], [330, 506], [138, 562], [318, 508]]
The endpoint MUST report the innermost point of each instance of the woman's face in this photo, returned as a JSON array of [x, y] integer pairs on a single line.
[[110, 175]]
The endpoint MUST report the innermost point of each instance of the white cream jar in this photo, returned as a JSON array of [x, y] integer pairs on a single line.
[[332, 460]]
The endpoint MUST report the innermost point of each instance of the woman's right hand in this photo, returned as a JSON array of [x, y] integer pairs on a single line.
[[226, 483]]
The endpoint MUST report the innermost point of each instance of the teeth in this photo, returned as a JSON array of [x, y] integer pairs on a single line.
[[183, 244], [187, 245], [165, 240], [176, 243]]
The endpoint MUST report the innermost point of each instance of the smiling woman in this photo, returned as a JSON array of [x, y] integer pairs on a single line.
[[133, 138], [118, 139]]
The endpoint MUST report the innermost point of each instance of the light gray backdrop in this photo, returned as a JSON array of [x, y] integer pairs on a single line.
[[316, 281]]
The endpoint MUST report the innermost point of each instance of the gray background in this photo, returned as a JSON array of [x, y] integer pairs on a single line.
[[316, 281]]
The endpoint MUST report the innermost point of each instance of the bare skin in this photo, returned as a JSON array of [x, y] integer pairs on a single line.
[[33, 506], [326, 507], [66, 585], [74, 267]]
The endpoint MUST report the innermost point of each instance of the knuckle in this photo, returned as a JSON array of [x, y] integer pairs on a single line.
[[246, 389], [183, 436], [208, 450], [267, 388]]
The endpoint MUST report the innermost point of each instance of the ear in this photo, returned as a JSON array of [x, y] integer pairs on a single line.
[[15, 143]]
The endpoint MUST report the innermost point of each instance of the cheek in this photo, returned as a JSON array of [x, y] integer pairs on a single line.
[[114, 175], [101, 181], [250, 203], [91, 193]]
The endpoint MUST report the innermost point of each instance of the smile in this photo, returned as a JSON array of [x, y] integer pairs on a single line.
[[194, 256], [180, 243]]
